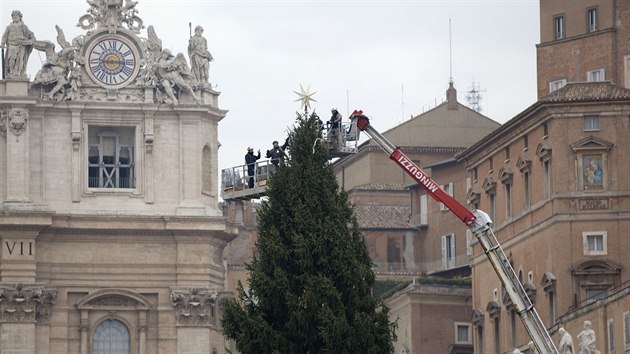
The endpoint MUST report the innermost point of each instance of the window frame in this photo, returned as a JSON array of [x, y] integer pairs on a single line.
[[448, 247], [586, 235], [591, 122], [559, 27], [448, 188], [611, 336], [110, 322], [468, 326], [592, 19], [557, 84], [626, 330], [596, 75], [138, 158]]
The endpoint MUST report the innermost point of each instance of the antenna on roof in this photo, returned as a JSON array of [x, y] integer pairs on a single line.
[[474, 96], [450, 51]]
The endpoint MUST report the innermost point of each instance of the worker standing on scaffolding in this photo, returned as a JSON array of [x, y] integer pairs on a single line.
[[335, 128], [250, 161]]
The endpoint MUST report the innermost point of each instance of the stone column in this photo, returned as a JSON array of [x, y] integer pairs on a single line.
[[17, 155], [195, 320], [76, 135], [148, 157], [84, 328], [23, 306], [142, 333]]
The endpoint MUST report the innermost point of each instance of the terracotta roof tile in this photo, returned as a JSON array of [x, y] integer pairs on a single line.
[[587, 91], [380, 187], [383, 217]]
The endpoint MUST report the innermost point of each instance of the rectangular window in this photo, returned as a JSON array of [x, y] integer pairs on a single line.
[[497, 335], [595, 294], [111, 157], [513, 327], [591, 20], [463, 333], [596, 75], [626, 330], [558, 26], [591, 122], [448, 188], [475, 174], [547, 178], [493, 207], [611, 337], [507, 153], [525, 142], [424, 212], [527, 191], [491, 163], [480, 346], [448, 251], [469, 241], [595, 243], [551, 296], [557, 84], [545, 130], [508, 200]]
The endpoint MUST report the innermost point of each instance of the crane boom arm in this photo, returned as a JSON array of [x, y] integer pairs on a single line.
[[479, 224]]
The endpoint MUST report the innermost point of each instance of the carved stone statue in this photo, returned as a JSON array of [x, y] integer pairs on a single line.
[[61, 69], [200, 57], [587, 339], [111, 14], [566, 342], [18, 40], [174, 72]]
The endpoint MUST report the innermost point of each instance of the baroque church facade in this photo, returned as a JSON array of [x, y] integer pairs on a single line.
[[111, 236]]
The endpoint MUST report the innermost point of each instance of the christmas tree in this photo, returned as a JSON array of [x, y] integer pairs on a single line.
[[310, 282]]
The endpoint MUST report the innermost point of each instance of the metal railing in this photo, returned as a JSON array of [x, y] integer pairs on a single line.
[[241, 177]]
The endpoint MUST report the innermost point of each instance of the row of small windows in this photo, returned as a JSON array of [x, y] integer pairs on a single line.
[[596, 75], [559, 23]]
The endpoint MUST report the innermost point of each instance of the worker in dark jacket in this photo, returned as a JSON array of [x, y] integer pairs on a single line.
[[250, 161], [276, 154]]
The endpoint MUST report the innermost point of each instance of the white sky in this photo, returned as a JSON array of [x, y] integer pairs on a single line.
[[388, 58]]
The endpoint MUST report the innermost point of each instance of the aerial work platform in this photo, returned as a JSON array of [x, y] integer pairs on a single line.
[[341, 142]]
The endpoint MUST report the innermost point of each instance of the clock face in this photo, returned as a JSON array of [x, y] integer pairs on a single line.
[[112, 62]]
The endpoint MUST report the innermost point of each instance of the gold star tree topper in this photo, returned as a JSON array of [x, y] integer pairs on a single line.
[[306, 97]]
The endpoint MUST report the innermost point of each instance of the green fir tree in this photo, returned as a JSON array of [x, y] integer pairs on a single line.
[[310, 283]]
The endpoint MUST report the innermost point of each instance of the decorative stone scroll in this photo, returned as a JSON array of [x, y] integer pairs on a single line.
[[194, 306], [25, 303]]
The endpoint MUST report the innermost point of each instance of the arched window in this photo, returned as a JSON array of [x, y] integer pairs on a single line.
[[111, 337]]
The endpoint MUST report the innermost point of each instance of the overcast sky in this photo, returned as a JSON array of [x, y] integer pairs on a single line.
[[388, 58]]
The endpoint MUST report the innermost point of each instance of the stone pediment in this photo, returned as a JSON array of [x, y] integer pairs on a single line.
[[473, 195], [592, 143], [114, 298], [524, 163], [548, 281], [597, 267], [477, 316], [543, 150], [506, 174], [494, 309], [489, 184]]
